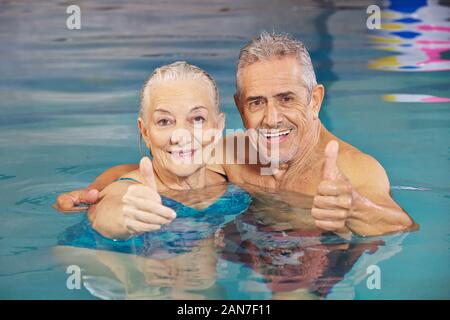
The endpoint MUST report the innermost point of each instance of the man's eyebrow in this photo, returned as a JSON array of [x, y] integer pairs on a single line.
[[284, 94], [254, 98]]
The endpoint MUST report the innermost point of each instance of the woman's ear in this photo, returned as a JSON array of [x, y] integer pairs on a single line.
[[143, 129], [221, 121], [316, 99]]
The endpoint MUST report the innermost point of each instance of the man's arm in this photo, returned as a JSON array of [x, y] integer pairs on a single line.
[[70, 201], [357, 198], [374, 212], [112, 174]]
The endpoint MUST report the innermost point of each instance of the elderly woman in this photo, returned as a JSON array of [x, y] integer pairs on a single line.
[[179, 110]]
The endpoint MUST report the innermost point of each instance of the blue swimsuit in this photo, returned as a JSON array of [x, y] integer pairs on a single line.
[[190, 226]]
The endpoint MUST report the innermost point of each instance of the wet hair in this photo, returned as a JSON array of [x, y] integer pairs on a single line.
[[179, 70], [269, 45]]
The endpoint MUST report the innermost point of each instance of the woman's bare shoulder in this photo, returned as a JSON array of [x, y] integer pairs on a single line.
[[119, 186]]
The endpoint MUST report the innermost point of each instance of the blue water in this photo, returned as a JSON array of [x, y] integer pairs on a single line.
[[68, 106], [183, 235]]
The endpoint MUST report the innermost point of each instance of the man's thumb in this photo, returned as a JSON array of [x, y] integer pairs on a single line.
[[146, 169], [330, 170]]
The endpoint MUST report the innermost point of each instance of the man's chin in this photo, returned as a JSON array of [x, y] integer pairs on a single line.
[[281, 157]]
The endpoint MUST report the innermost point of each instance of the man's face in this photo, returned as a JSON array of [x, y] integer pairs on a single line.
[[275, 101]]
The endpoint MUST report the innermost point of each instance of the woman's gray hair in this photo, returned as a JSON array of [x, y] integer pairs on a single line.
[[269, 45], [179, 70]]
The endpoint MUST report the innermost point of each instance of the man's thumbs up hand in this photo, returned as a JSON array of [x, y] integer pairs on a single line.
[[330, 170], [332, 205]]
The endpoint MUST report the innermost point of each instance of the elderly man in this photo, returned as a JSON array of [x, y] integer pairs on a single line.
[[278, 97]]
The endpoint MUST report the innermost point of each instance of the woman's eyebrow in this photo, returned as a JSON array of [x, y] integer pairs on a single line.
[[162, 110], [197, 108]]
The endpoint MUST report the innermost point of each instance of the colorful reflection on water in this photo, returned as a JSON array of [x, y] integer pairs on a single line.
[[418, 32]]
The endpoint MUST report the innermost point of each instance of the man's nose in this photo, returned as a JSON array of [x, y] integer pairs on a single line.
[[271, 116]]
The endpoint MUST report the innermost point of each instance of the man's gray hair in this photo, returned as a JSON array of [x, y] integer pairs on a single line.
[[270, 45], [179, 70]]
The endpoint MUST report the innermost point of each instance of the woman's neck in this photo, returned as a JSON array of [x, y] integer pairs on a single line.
[[168, 181]]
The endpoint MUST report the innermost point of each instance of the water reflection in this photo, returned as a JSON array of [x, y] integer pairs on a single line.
[[275, 238], [188, 275], [418, 32], [176, 260], [113, 275]]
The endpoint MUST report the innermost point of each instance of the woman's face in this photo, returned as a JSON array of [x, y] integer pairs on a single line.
[[180, 123]]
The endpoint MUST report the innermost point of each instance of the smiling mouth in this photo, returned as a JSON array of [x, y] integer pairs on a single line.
[[276, 136], [182, 154]]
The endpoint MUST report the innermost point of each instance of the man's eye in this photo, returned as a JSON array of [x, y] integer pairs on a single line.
[[256, 103], [287, 99]]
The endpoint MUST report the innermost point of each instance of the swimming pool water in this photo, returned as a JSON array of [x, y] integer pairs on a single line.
[[68, 111]]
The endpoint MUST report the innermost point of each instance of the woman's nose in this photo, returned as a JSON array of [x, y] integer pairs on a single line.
[[180, 137]]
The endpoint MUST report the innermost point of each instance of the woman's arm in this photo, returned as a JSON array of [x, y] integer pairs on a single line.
[[127, 208], [106, 216]]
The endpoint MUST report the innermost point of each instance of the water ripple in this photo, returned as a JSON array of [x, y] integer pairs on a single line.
[[6, 177]]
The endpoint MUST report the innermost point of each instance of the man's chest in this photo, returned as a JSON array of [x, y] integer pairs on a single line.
[[306, 182]]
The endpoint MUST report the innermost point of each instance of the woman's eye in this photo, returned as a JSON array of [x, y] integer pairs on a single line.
[[199, 120], [163, 122]]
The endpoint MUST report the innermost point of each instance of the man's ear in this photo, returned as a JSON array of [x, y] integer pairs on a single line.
[[316, 99], [237, 102]]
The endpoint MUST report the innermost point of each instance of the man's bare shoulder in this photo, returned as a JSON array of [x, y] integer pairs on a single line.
[[362, 169], [234, 154], [215, 163]]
